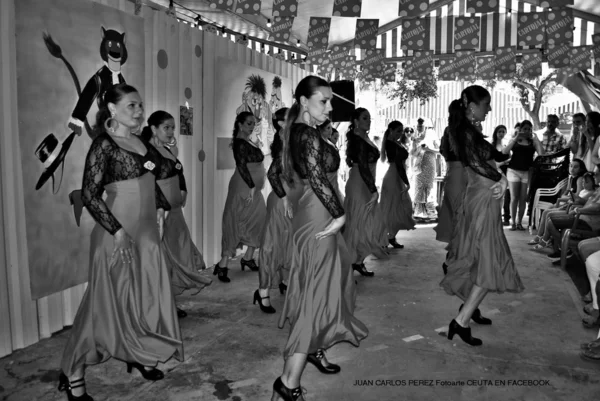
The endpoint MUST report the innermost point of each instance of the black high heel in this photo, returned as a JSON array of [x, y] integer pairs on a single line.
[[395, 244], [280, 391], [464, 333], [181, 313], [282, 288], [477, 317], [317, 360], [362, 269], [65, 385], [445, 268], [250, 264], [264, 308], [153, 374], [221, 273]]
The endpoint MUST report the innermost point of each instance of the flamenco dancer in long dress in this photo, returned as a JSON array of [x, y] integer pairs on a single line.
[[396, 205], [479, 259], [127, 311], [245, 211], [316, 304], [275, 256], [183, 257], [365, 230]]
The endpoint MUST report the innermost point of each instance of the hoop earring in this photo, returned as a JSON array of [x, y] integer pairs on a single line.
[[306, 117], [108, 124]]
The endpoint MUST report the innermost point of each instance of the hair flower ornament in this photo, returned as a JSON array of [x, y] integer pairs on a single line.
[[149, 165]]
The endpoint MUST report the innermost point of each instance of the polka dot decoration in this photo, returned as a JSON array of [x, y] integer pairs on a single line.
[[338, 56], [285, 8], [596, 47], [201, 155], [162, 59], [505, 60], [485, 67], [531, 30], [558, 55], [318, 33], [446, 71], [372, 63], [187, 93], [198, 51], [581, 59], [220, 4], [415, 33], [555, 3], [482, 6], [347, 8], [412, 8], [465, 64], [316, 56], [532, 64], [281, 28], [466, 33], [366, 33], [389, 72], [559, 25], [422, 64], [247, 7]]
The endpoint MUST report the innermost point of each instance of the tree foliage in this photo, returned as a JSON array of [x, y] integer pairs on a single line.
[[405, 90]]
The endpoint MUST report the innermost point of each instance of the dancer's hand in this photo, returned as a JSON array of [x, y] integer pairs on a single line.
[[332, 228], [160, 219], [499, 188], [287, 207], [75, 128], [372, 201], [123, 246], [250, 196], [183, 198]]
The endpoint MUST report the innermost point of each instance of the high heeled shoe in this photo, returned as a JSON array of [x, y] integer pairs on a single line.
[[362, 269], [221, 273], [395, 244], [317, 360], [65, 385], [464, 333], [445, 268], [264, 308], [152, 374], [477, 317], [282, 288], [250, 264], [181, 313], [280, 391]]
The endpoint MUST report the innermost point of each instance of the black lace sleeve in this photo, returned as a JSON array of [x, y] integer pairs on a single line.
[[96, 164], [241, 153], [401, 156], [312, 154], [363, 165], [478, 154], [274, 177]]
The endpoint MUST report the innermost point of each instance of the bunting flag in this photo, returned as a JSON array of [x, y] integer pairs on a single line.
[[581, 58], [466, 32], [415, 34], [556, 3], [482, 6], [558, 55], [347, 8], [446, 71], [410, 72], [505, 61], [559, 25], [596, 47], [389, 72], [337, 58], [247, 7], [420, 65], [532, 64], [465, 64], [485, 68], [316, 56], [284, 8], [220, 4], [372, 66], [281, 29], [366, 33], [531, 30], [348, 70], [318, 33], [412, 8]]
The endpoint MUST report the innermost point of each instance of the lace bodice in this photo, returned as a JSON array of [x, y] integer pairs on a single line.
[[360, 153], [445, 149], [479, 153], [243, 153], [397, 154], [331, 155], [105, 163], [313, 161], [274, 176], [171, 168]]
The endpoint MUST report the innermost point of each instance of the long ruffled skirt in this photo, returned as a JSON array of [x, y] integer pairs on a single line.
[[396, 205], [455, 184], [127, 311]]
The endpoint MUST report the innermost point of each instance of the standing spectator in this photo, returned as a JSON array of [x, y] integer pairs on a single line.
[[552, 140], [497, 140]]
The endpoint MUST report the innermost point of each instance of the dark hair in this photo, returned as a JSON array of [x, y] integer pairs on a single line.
[[554, 116], [321, 127], [581, 115], [582, 167], [114, 95], [277, 145], [594, 118], [307, 88], [391, 127], [463, 134], [155, 119], [517, 125], [349, 134], [590, 175], [526, 122], [420, 121], [495, 134], [239, 119]]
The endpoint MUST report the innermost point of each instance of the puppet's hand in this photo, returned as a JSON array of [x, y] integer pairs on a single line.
[[75, 128]]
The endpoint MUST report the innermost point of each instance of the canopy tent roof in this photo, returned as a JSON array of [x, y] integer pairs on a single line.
[[342, 28]]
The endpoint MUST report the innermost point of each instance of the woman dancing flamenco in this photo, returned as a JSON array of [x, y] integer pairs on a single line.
[[479, 257], [318, 302]]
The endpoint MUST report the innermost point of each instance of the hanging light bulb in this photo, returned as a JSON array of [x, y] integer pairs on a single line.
[[268, 23], [298, 43]]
